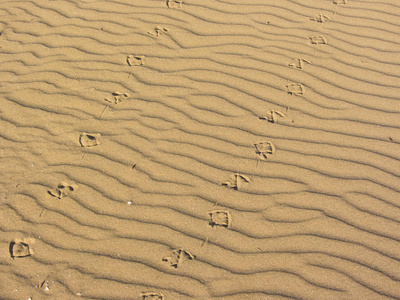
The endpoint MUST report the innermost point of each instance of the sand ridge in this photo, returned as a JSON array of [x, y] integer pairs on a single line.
[[215, 149]]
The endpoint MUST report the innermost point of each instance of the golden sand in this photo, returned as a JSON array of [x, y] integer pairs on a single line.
[[214, 149]]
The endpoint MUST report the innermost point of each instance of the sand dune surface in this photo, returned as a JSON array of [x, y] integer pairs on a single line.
[[214, 149]]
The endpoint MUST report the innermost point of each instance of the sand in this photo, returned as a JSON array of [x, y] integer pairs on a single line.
[[214, 149]]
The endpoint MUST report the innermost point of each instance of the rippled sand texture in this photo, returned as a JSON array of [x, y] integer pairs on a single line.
[[183, 183]]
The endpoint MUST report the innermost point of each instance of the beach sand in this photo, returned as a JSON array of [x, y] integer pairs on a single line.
[[214, 149]]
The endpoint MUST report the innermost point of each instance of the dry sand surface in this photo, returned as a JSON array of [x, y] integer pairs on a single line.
[[200, 149]]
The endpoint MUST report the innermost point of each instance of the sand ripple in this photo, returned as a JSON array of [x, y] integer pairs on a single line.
[[186, 86]]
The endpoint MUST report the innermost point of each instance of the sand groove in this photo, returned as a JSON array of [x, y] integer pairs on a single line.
[[152, 111]]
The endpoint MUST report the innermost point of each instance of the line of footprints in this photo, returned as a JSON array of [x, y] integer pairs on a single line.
[[298, 88], [22, 247]]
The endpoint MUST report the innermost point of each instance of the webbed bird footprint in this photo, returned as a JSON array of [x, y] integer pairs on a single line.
[[152, 296], [159, 30], [220, 217], [320, 18], [264, 149], [299, 63], [117, 97], [178, 256], [295, 89], [319, 39], [236, 180], [272, 117], [21, 248], [135, 60], [63, 189], [89, 139], [174, 3]]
